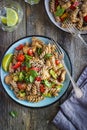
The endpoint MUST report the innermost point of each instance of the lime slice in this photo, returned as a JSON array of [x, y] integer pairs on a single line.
[[6, 61], [3, 20], [12, 17]]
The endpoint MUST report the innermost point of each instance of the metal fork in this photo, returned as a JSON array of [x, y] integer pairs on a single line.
[[74, 31], [77, 90]]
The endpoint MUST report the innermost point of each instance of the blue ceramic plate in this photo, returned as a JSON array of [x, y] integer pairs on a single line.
[[50, 15], [47, 101]]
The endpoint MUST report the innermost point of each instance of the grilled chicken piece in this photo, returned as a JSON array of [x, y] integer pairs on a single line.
[[8, 79]]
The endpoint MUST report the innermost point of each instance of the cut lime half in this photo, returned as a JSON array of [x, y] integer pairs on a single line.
[[12, 17], [6, 61]]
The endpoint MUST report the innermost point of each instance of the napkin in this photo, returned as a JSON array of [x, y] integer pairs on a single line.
[[73, 112]]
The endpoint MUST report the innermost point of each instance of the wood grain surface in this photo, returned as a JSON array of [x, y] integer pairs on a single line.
[[36, 21]]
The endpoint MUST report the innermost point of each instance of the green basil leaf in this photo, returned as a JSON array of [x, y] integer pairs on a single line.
[[13, 114], [27, 64], [48, 84], [31, 79], [27, 79], [59, 12], [39, 51], [47, 56], [27, 57], [33, 73]]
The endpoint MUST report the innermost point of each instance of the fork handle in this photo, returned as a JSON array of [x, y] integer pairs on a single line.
[[77, 90], [79, 35]]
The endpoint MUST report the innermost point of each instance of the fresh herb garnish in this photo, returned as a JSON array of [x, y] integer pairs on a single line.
[[59, 11], [39, 51], [30, 76], [13, 114], [47, 56], [27, 64], [27, 57], [33, 73]]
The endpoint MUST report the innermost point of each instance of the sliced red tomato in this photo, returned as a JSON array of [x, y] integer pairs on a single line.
[[17, 65], [42, 88], [38, 78], [35, 68], [20, 57], [30, 52], [85, 18], [20, 47], [21, 86], [57, 62]]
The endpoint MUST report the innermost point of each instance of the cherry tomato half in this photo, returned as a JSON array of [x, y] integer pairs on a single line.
[[20, 57]]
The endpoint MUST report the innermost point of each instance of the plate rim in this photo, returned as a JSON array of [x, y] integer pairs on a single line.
[[55, 23], [20, 102]]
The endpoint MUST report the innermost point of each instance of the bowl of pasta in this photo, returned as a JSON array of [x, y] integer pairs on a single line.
[[74, 10], [32, 73]]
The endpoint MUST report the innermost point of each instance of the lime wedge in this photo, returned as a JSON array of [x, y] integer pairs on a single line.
[[6, 61], [3, 20], [12, 17]]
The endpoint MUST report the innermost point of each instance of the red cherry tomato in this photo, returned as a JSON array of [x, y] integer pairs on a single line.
[[21, 86], [17, 65], [35, 68], [38, 79], [30, 52], [20, 47], [20, 57], [57, 62], [85, 18], [42, 88]]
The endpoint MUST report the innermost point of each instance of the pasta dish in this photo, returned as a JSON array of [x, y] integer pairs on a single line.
[[35, 71], [73, 10]]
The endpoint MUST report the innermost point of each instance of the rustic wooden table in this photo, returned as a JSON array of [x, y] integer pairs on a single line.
[[36, 21]]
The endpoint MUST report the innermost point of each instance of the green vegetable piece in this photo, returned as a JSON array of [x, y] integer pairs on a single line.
[[21, 76], [48, 84], [15, 77], [33, 73], [27, 64], [27, 57], [47, 56], [13, 114], [59, 87], [27, 79], [22, 94], [58, 7], [59, 12], [39, 51], [47, 95], [53, 74], [31, 78]]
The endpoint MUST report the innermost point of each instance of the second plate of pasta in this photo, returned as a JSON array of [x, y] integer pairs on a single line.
[[35, 77]]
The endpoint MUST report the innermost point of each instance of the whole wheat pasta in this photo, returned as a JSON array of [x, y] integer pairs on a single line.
[[35, 75], [73, 10]]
